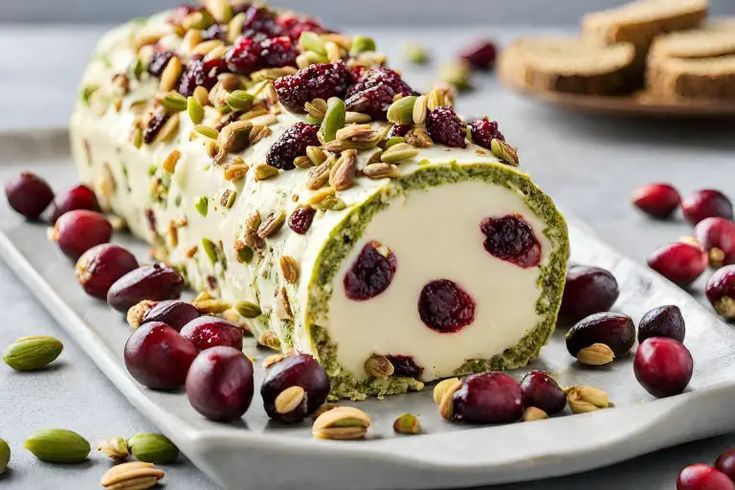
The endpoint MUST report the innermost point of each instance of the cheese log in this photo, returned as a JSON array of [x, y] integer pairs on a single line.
[[440, 261]]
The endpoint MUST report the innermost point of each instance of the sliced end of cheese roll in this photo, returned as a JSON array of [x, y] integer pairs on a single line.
[[327, 206]]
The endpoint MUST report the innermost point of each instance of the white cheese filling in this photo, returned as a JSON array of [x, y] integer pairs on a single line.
[[435, 234]]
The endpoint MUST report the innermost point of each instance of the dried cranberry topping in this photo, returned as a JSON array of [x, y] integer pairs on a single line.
[[374, 90], [244, 56], [405, 366], [323, 81], [484, 131], [200, 73], [294, 26], [445, 307], [261, 19], [371, 273], [400, 130], [301, 219], [481, 55], [158, 62], [511, 238], [291, 144], [155, 123], [277, 52], [445, 127], [215, 31]]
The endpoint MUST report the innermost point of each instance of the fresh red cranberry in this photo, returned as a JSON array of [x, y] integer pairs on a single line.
[[657, 200], [294, 26], [488, 398], [400, 130], [261, 20], [220, 383], [158, 62], [208, 331], [28, 194], [405, 366], [173, 312], [542, 391], [244, 56], [152, 282], [717, 238], [374, 91], [445, 307], [79, 230], [78, 197], [295, 370], [156, 122], [663, 366], [720, 291], [511, 238], [322, 80], [681, 263], [158, 357], [445, 127], [703, 477], [301, 219], [371, 273], [588, 290], [726, 463], [480, 55], [615, 330], [706, 204], [100, 266], [484, 131], [291, 144], [664, 321], [277, 52]]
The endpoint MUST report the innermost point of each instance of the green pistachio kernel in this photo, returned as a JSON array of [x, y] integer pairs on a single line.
[[401, 111], [210, 249], [206, 131], [398, 153], [201, 204], [174, 101], [456, 74], [360, 44], [248, 309], [394, 140], [137, 68], [32, 353], [245, 254], [195, 110], [416, 53], [4, 456], [311, 41], [334, 118], [239, 100], [58, 446], [153, 448]]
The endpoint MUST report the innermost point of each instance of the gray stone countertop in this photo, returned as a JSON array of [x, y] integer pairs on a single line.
[[588, 164]]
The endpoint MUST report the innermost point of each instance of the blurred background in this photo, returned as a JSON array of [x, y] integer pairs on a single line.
[[346, 12]]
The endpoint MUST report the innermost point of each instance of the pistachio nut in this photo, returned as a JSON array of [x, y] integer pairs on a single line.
[[152, 448], [341, 423], [361, 44], [597, 354], [31, 353], [416, 53], [407, 423], [248, 309], [504, 151], [446, 404], [379, 367], [401, 111], [290, 399], [311, 41], [58, 446], [457, 75], [195, 110], [398, 153], [334, 119], [137, 312], [4, 456], [135, 475], [115, 448], [239, 100], [582, 399], [441, 387]]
